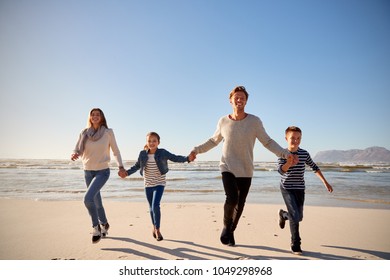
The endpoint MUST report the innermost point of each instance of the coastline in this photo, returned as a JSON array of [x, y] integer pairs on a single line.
[[48, 230]]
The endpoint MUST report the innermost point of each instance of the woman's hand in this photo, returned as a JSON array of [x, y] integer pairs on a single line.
[[74, 156], [122, 172]]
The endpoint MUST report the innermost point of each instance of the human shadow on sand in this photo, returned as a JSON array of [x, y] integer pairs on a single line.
[[357, 256], [192, 251]]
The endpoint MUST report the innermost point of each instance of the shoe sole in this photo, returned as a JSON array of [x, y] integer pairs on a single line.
[[296, 253], [225, 238], [282, 221], [96, 241]]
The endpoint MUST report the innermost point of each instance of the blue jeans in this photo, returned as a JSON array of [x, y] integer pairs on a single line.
[[95, 181], [154, 195], [294, 200]]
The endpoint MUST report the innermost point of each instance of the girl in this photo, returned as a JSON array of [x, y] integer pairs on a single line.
[[153, 165], [93, 147]]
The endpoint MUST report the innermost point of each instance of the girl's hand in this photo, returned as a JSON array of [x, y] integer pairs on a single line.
[[192, 156], [122, 173]]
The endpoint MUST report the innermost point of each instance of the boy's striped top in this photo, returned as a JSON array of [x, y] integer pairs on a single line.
[[294, 177]]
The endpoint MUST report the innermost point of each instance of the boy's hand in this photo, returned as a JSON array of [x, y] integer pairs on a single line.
[[295, 159], [328, 187], [292, 160]]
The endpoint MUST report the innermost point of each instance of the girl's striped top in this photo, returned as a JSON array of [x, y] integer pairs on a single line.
[[294, 177], [153, 176]]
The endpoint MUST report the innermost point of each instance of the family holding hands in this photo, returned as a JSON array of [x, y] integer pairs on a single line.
[[238, 131]]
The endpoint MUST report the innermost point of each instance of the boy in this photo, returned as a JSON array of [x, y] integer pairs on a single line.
[[292, 185]]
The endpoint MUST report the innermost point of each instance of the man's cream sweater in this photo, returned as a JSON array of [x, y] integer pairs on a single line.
[[239, 140]]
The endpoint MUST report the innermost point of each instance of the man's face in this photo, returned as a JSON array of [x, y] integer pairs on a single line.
[[238, 100]]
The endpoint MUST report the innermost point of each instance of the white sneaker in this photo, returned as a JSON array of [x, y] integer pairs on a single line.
[[104, 229], [96, 234]]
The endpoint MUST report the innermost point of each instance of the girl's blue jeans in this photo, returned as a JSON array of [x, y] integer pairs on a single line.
[[95, 181], [154, 195]]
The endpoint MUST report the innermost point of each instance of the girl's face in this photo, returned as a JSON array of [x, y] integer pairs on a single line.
[[152, 143], [95, 118]]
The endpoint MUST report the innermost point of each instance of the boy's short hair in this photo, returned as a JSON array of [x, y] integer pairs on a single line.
[[293, 128]]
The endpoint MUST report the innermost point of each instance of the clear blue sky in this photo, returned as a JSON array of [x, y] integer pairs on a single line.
[[168, 66]]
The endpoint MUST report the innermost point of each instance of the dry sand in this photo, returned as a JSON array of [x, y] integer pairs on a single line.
[[46, 230]]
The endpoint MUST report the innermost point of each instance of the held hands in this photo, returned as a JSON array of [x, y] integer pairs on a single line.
[[122, 172], [292, 160], [192, 156]]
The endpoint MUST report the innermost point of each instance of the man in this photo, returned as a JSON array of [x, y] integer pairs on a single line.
[[239, 130]]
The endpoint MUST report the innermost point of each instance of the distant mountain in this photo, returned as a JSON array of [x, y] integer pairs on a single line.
[[369, 155]]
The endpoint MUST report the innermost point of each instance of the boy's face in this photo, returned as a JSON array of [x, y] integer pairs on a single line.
[[293, 140]]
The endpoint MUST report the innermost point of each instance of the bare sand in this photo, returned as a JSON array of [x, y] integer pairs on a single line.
[[47, 230]]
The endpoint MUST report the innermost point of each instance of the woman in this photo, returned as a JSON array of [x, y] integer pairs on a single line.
[[93, 147]]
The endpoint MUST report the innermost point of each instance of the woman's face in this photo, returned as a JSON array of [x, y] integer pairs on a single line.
[[95, 118]]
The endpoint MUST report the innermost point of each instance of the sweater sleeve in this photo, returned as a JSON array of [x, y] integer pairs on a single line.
[[281, 162], [269, 143], [212, 142], [114, 148], [78, 144]]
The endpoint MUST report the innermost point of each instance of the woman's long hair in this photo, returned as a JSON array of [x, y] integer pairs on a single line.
[[103, 121]]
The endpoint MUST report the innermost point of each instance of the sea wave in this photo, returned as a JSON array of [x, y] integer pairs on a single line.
[[198, 166]]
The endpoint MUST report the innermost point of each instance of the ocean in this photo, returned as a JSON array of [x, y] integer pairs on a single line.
[[362, 186]]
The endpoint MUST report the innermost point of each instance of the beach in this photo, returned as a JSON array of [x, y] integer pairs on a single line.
[[61, 230]]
